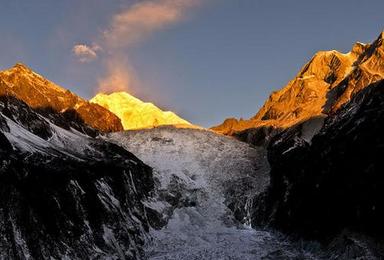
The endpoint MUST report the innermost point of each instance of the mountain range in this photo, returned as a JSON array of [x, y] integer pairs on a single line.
[[307, 182], [105, 113]]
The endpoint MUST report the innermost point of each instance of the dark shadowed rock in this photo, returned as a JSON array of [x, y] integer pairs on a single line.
[[64, 194], [335, 181]]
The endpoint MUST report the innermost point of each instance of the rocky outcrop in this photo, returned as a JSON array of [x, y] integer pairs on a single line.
[[259, 136], [322, 86], [333, 181], [39, 93], [65, 195]]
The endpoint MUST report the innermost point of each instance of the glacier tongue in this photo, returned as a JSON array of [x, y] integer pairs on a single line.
[[201, 179]]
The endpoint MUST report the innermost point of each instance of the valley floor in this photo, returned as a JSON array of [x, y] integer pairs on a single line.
[[189, 235], [199, 173]]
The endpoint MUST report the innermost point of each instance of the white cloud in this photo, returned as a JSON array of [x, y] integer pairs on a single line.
[[86, 53]]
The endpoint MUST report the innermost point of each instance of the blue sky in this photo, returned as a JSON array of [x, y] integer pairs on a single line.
[[213, 60]]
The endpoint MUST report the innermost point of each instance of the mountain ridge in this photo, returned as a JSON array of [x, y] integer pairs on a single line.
[[321, 87], [39, 93]]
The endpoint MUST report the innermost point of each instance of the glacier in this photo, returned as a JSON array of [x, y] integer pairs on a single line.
[[203, 180]]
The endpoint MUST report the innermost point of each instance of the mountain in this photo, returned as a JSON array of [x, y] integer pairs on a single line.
[[69, 192], [136, 114], [332, 184], [323, 136], [43, 95], [322, 86], [65, 194]]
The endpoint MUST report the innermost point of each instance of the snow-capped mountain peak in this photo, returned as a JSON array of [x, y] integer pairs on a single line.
[[136, 114]]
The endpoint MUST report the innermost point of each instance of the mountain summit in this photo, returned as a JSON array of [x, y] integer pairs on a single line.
[[41, 94], [136, 114], [322, 86]]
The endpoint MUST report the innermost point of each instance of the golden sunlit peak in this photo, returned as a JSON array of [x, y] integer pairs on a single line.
[[136, 114], [21, 65]]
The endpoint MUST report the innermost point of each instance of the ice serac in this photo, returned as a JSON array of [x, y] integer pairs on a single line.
[[322, 86], [136, 114], [40, 93]]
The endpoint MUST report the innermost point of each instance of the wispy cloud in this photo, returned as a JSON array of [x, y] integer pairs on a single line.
[[119, 76], [86, 53], [128, 28], [142, 19]]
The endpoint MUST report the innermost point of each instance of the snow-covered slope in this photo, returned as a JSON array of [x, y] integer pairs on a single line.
[[205, 182], [136, 114]]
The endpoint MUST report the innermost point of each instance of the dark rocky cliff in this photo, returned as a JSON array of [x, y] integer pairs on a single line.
[[64, 194], [334, 181]]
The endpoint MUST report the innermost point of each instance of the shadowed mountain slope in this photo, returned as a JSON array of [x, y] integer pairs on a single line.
[[64, 194]]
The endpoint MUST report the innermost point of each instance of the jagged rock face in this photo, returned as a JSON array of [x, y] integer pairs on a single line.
[[333, 181], [136, 114], [64, 194], [323, 85], [369, 69], [39, 93], [306, 94]]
